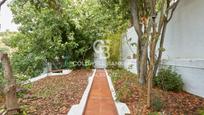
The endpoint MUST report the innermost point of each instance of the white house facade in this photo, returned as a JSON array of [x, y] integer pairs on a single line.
[[184, 44], [6, 17]]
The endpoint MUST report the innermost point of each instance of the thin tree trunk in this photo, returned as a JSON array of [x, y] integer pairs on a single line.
[[137, 26], [152, 54], [161, 44], [143, 65], [135, 19], [151, 68], [166, 21], [12, 106]]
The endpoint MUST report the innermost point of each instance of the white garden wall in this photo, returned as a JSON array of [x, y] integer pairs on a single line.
[[185, 33], [128, 50], [184, 44]]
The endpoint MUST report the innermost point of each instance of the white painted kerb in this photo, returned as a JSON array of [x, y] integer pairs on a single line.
[[122, 108], [79, 108], [64, 72]]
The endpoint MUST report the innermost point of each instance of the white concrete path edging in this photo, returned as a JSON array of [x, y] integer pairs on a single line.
[[79, 108], [122, 108], [64, 72]]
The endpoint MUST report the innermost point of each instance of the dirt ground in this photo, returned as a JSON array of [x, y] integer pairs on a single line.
[[55, 95], [174, 103]]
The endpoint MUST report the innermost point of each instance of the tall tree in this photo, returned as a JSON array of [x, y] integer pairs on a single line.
[[150, 19], [12, 106]]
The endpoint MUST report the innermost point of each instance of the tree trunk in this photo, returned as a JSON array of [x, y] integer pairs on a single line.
[[141, 49], [144, 32], [164, 20], [12, 106], [153, 43], [143, 65], [158, 61]]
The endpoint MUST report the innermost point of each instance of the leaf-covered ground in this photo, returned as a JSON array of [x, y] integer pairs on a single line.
[[55, 95], [131, 93]]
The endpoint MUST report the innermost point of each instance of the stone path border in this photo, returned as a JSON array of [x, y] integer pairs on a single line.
[[78, 109], [122, 108], [100, 100]]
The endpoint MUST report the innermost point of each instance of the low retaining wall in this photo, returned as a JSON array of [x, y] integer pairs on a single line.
[[44, 75], [191, 70], [122, 108], [192, 73], [79, 108]]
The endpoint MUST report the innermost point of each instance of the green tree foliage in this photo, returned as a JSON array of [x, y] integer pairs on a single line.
[[114, 44], [119, 10], [58, 34], [117, 7]]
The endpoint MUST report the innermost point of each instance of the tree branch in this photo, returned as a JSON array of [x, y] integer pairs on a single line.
[[162, 15], [134, 13], [2, 2], [160, 46], [173, 7]]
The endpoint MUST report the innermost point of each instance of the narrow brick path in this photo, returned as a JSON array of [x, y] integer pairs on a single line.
[[100, 101]]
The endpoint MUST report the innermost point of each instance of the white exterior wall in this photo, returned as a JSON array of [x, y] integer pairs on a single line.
[[128, 50], [184, 44], [185, 33], [6, 18]]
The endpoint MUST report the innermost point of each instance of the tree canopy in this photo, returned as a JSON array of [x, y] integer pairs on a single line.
[[59, 32]]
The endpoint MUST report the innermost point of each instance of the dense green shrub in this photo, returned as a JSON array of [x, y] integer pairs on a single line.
[[157, 104], [169, 80], [59, 36], [88, 64]]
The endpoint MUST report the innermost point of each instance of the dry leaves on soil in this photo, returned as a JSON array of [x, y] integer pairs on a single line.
[[55, 95]]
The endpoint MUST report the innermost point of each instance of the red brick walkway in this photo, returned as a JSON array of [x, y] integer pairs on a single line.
[[100, 101]]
